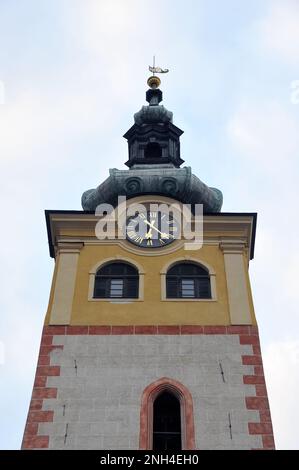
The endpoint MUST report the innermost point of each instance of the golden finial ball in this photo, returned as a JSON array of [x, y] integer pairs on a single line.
[[154, 82]]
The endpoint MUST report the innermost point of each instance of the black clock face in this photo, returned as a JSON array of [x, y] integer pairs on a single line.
[[152, 229]]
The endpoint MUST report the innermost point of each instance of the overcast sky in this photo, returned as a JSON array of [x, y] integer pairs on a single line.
[[72, 74]]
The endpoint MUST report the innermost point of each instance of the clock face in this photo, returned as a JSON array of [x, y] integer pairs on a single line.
[[152, 229]]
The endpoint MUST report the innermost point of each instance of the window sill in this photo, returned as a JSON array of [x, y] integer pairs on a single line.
[[116, 301], [188, 300]]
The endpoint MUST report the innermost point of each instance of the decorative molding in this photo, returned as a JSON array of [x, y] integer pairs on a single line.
[[117, 257], [233, 246], [149, 395], [92, 274], [70, 246], [238, 227], [191, 259], [151, 330], [171, 263]]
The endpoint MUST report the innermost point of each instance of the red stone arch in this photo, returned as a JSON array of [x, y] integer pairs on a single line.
[[146, 413]]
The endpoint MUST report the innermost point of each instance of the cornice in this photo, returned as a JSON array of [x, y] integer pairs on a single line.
[[230, 231]]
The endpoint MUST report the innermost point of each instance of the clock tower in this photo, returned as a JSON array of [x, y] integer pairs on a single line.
[[150, 339]]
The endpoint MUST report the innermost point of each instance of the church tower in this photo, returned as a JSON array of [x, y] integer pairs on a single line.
[[150, 339]]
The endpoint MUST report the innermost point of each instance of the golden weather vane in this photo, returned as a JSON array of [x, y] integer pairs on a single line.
[[155, 69]]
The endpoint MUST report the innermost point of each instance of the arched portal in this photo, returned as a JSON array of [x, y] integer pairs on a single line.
[[166, 402]]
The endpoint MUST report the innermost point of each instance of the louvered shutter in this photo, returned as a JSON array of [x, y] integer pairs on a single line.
[[131, 288], [172, 287], [100, 288], [203, 288]]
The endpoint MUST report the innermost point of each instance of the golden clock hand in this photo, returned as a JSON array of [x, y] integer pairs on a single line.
[[163, 235], [149, 233]]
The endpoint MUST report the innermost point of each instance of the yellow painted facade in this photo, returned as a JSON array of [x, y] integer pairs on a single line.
[[75, 237]]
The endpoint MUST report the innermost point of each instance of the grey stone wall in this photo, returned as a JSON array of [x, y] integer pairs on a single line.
[[103, 377]]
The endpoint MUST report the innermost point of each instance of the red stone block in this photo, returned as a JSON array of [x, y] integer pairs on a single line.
[[100, 330], [40, 416], [253, 330], [43, 361], [146, 329], [77, 330], [168, 330], [48, 370], [122, 330], [261, 390], [36, 405], [44, 393], [253, 379], [258, 370], [40, 381], [256, 349], [214, 330], [31, 429], [191, 330], [37, 442], [257, 403], [251, 360], [249, 339], [260, 428], [54, 330], [45, 350], [265, 416], [268, 442], [237, 330], [46, 340]]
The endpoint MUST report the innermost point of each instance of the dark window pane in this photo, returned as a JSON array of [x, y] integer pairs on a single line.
[[167, 423], [100, 288], [187, 269], [116, 280], [153, 150], [131, 286], [188, 280], [172, 288], [115, 269]]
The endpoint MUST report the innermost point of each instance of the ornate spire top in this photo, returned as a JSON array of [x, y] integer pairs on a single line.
[[155, 69], [154, 160], [154, 95]]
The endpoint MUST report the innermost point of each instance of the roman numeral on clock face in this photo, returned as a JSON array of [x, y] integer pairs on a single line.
[[152, 229]]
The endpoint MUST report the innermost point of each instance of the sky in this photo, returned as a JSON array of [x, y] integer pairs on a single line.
[[72, 74]]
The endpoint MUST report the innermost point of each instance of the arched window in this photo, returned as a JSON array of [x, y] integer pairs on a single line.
[[188, 281], [167, 422], [166, 416], [116, 281], [153, 151]]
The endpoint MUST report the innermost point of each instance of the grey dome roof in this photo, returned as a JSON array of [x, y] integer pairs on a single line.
[[178, 183], [152, 114]]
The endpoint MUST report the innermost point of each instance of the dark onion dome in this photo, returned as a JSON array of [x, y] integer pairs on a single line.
[[177, 183], [154, 162], [152, 114]]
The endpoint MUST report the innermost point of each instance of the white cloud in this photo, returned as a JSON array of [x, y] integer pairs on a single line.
[[117, 35], [281, 361], [278, 32], [266, 134], [290, 277], [31, 121]]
